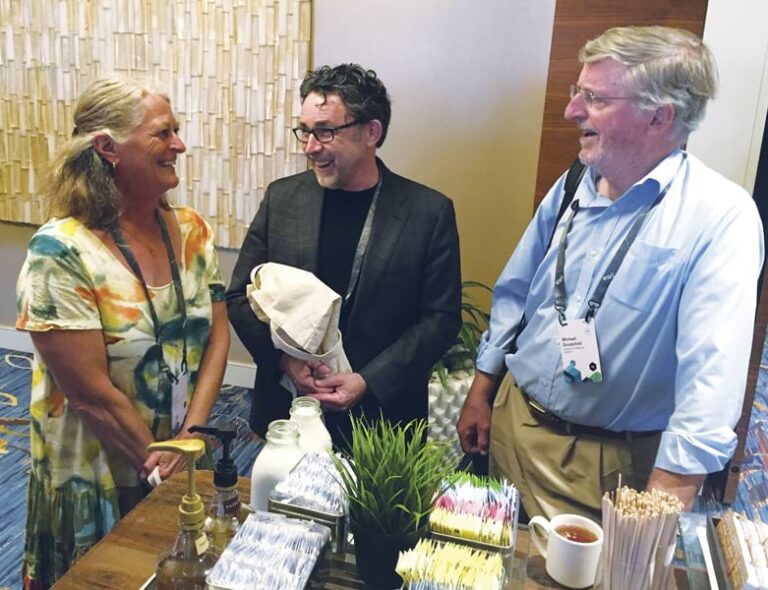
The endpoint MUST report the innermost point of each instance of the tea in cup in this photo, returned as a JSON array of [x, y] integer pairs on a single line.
[[571, 545]]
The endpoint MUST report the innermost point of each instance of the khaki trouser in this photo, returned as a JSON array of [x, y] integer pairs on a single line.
[[557, 473]]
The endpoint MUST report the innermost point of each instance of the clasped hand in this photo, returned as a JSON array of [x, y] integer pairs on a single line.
[[336, 392]]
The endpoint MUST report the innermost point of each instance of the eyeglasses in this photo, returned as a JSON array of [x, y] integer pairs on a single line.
[[322, 134], [593, 99]]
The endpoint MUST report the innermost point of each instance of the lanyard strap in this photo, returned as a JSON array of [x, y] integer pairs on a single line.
[[119, 238], [362, 243], [561, 296]]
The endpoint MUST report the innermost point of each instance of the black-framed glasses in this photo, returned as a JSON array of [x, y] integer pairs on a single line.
[[322, 134], [591, 98]]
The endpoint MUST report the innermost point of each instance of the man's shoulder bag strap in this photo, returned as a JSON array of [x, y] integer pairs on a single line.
[[572, 182]]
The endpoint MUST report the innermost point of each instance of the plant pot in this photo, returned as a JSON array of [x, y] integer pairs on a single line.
[[376, 555]]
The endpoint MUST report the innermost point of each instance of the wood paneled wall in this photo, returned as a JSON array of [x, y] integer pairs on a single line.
[[577, 21]]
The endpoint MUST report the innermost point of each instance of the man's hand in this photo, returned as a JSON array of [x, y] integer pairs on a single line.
[[319, 369], [300, 373], [681, 485], [474, 424], [348, 389]]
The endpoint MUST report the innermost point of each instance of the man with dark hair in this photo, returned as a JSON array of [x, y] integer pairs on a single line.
[[387, 245]]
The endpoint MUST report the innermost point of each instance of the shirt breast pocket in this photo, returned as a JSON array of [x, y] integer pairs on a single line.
[[645, 277]]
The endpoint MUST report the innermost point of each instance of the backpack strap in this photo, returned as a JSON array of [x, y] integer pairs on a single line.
[[572, 182]]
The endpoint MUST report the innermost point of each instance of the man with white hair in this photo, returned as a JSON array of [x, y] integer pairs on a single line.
[[627, 339]]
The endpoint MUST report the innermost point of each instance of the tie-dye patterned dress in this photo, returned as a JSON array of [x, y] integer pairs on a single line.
[[72, 281]]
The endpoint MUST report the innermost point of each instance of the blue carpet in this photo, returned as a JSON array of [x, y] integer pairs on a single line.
[[15, 382], [752, 493]]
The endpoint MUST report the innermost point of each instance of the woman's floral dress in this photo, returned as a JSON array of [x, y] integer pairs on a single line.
[[72, 281]]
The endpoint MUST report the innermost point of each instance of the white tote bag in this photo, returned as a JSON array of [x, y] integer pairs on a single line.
[[303, 315]]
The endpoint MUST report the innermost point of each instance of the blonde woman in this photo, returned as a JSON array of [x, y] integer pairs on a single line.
[[123, 298]]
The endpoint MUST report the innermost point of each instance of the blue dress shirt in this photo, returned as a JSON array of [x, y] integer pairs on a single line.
[[675, 328]]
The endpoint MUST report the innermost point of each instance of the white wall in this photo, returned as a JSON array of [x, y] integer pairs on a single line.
[[731, 134]]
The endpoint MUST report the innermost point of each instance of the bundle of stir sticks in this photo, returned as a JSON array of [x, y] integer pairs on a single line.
[[638, 539]]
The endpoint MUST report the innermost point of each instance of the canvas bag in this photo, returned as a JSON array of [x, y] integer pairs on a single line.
[[302, 313]]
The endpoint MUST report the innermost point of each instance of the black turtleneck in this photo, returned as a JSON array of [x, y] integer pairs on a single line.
[[341, 224]]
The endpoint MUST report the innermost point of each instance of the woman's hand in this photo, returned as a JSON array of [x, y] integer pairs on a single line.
[[167, 461]]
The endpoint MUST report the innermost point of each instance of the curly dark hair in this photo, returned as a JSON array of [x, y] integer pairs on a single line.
[[360, 90]]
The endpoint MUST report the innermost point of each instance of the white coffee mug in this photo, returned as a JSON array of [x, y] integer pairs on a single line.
[[571, 545]]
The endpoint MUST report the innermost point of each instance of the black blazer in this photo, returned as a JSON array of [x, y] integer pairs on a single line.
[[406, 310]]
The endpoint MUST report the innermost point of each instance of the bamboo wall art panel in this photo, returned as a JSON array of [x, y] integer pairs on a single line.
[[232, 69]]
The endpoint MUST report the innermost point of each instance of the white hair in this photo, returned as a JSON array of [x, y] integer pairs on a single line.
[[666, 66]]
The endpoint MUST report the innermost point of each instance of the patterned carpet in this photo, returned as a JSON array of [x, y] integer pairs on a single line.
[[15, 380], [753, 485]]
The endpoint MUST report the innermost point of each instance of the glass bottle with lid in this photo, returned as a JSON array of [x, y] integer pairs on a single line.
[[275, 461], [313, 435], [191, 558]]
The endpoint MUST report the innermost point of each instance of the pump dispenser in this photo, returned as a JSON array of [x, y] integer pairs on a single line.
[[225, 512], [191, 558]]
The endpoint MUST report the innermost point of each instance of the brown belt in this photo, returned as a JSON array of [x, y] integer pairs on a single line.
[[557, 424]]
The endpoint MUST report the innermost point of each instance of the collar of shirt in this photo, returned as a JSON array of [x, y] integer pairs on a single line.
[[647, 187]]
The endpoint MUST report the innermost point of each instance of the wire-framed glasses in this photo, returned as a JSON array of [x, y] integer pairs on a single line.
[[591, 98]]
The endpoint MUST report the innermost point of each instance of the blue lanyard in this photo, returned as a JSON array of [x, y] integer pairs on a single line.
[[117, 236], [362, 242]]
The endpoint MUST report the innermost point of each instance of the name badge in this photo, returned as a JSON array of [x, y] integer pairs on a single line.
[[579, 352], [179, 401]]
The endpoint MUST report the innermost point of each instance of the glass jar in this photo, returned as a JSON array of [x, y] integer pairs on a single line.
[[313, 435], [225, 515], [275, 461], [187, 565]]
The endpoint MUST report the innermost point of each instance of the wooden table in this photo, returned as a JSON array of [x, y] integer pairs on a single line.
[[127, 556]]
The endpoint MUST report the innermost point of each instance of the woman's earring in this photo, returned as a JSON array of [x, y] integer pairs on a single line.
[[114, 168]]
